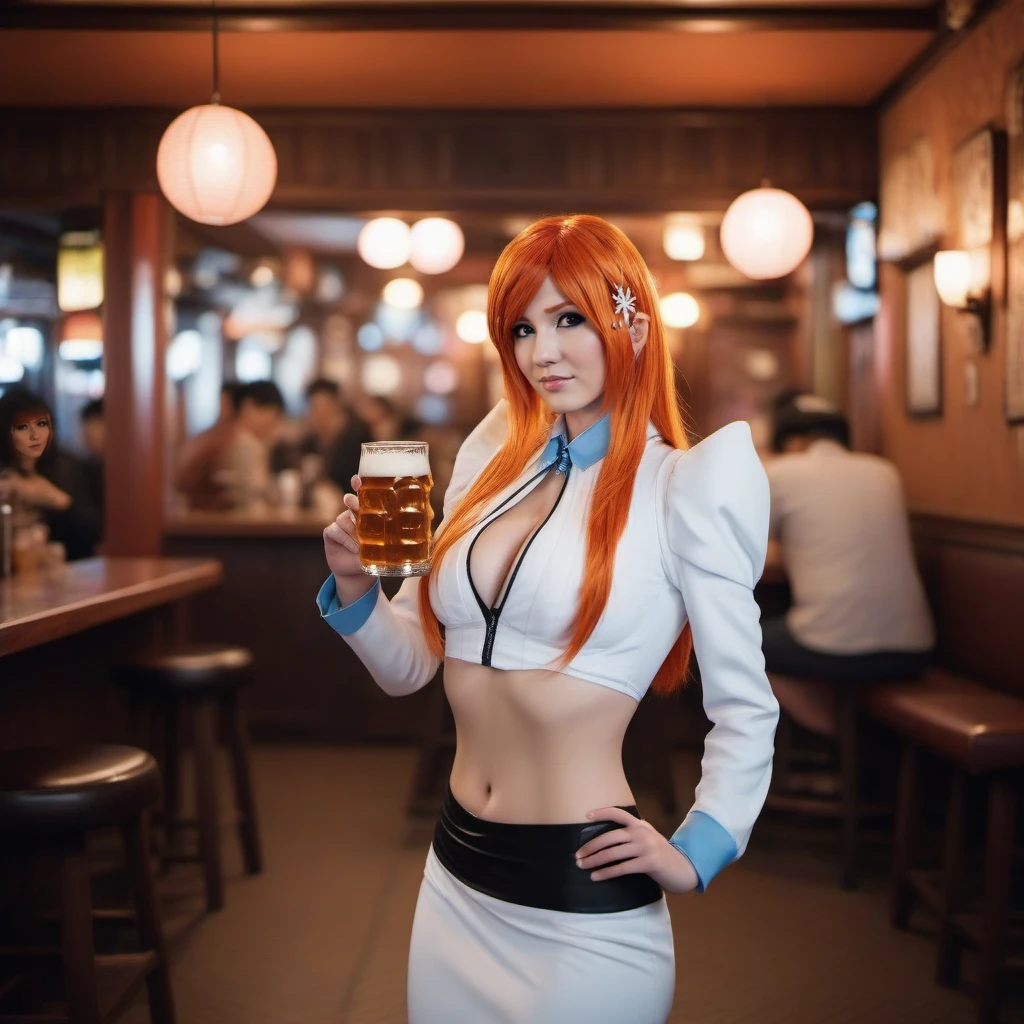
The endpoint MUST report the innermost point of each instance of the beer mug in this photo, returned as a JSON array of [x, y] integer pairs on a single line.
[[393, 526]]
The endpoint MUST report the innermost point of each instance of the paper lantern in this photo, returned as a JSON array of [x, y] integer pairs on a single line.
[[437, 245], [766, 233], [384, 243], [216, 165]]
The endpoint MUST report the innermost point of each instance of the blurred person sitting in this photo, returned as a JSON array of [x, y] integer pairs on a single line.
[[336, 434], [840, 529], [94, 441], [43, 483], [201, 458], [387, 422], [244, 466]]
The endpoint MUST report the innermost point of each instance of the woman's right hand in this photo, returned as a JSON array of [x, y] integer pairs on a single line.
[[340, 544]]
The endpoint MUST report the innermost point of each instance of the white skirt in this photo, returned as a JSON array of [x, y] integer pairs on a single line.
[[475, 959]]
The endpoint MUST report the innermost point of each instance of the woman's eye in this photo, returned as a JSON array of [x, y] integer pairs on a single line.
[[571, 320], [521, 331]]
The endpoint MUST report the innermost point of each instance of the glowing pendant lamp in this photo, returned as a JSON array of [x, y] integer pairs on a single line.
[[215, 164], [766, 233]]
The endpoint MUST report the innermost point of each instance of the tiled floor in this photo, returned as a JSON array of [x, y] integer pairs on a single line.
[[320, 937]]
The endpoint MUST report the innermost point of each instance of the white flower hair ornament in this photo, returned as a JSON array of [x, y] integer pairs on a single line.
[[625, 306]]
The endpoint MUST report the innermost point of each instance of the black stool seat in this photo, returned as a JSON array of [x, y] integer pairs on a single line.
[[189, 667], [72, 789]]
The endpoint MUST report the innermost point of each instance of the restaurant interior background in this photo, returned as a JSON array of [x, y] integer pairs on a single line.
[[898, 123]]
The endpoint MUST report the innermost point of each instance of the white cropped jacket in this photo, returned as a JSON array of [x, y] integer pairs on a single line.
[[693, 548]]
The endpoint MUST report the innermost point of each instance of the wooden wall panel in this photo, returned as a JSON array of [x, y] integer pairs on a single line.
[[626, 160], [968, 464]]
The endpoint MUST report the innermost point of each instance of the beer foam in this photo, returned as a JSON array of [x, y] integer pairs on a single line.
[[394, 464]]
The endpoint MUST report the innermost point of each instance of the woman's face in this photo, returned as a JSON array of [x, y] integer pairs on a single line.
[[561, 354], [30, 434]]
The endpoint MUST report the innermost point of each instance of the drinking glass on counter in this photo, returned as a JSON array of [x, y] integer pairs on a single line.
[[393, 525]]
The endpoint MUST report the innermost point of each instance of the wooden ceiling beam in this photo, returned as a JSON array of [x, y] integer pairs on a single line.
[[473, 15]]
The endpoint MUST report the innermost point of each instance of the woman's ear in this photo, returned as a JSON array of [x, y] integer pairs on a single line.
[[638, 332]]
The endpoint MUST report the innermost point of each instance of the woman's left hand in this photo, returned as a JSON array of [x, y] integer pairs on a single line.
[[640, 847]]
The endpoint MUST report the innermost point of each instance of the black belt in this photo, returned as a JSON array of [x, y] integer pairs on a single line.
[[534, 865]]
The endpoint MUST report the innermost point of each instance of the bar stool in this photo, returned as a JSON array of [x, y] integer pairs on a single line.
[[846, 804], [49, 798], [203, 680]]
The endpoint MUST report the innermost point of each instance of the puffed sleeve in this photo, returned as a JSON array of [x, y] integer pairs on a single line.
[[387, 635], [715, 538]]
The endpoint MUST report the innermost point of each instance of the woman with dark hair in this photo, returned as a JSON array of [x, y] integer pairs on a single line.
[[45, 484]]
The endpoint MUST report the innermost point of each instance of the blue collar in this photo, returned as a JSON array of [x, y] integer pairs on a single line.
[[583, 450]]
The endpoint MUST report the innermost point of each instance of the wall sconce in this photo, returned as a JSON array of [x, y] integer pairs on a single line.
[[957, 280]]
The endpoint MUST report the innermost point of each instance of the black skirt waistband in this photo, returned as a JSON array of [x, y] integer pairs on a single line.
[[534, 865]]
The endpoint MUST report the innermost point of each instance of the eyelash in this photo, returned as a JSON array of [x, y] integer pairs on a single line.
[[558, 323], [25, 426]]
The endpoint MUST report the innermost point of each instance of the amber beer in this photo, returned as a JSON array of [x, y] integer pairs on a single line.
[[393, 526]]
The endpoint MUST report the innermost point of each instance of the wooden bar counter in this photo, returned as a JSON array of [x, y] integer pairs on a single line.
[[309, 685], [62, 629]]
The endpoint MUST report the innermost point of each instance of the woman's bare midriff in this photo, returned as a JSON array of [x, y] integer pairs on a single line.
[[536, 746]]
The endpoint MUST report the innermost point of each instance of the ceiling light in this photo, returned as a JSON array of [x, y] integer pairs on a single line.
[[215, 164], [472, 326], [680, 309], [403, 293], [683, 240], [437, 245], [766, 233], [262, 276], [381, 375], [385, 243]]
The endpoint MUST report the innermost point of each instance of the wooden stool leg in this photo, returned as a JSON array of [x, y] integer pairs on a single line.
[[901, 893], [171, 775], [998, 876], [238, 741], [950, 945], [136, 843], [849, 771], [205, 734], [79, 954]]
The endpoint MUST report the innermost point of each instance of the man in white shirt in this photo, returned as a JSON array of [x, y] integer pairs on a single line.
[[859, 612]]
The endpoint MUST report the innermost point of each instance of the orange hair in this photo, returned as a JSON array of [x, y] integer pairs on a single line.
[[586, 258]]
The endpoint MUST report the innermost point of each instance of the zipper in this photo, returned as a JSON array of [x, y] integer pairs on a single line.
[[492, 615]]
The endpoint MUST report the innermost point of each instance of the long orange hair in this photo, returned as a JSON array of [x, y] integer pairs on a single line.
[[586, 258]]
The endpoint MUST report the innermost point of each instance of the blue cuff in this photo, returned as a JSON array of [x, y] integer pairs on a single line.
[[706, 845], [345, 620]]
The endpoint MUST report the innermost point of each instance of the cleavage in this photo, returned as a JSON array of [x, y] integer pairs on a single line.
[[501, 542]]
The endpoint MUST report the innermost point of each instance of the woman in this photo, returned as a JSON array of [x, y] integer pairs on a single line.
[[579, 536], [45, 484]]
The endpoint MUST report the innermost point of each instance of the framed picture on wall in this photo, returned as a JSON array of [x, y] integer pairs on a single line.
[[922, 325], [1014, 400]]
